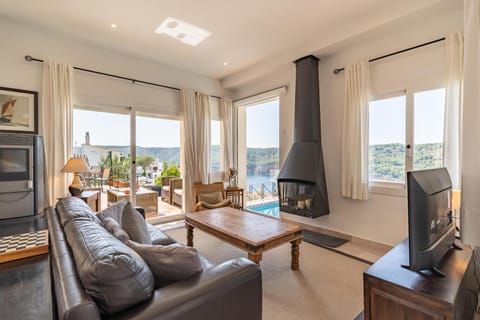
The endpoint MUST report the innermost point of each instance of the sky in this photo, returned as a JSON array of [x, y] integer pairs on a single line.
[[387, 118], [263, 125], [114, 129]]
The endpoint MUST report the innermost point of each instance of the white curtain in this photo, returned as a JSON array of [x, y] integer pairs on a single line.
[[56, 125], [453, 106], [196, 116], [355, 132], [226, 116], [470, 203]]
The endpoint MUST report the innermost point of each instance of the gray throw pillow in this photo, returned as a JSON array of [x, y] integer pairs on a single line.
[[134, 224], [114, 211], [168, 263], [211, 198], [114, 228]]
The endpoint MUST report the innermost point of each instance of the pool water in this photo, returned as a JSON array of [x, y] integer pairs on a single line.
[[269, 208]]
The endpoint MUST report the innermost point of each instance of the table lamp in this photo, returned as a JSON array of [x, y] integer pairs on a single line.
[[77, 165]]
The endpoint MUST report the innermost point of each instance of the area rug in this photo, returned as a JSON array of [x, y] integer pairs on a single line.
[[323, 240], [327, 286]]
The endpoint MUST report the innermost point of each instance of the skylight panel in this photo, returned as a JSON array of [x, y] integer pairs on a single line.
[[182, 31]]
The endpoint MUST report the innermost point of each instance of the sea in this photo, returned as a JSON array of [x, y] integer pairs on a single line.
[[258, 180]]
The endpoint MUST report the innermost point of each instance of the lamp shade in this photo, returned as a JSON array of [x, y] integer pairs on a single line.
[[76, 164]]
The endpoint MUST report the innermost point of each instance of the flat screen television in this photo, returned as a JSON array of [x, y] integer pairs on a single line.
[[431, 230]]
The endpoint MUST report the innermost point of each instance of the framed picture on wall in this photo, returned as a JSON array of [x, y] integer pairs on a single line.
[[18, 110]]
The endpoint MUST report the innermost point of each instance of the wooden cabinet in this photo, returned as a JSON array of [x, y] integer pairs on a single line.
[[393, 292]]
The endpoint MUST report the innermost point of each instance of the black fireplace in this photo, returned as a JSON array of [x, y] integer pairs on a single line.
[[301, 181]]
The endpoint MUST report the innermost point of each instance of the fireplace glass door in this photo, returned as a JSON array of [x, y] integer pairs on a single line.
[[296, 197]]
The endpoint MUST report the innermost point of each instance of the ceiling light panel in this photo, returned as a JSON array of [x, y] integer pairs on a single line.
[[182, 31]]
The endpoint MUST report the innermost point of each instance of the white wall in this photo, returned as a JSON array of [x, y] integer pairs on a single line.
[[382, 218], [19, 40]]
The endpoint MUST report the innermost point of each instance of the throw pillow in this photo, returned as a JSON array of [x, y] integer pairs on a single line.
[[134, 224], [115, 211], [114, 228], [168, 263], [211, 198]]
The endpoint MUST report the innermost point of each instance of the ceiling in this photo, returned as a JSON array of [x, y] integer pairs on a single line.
[[243, 33]]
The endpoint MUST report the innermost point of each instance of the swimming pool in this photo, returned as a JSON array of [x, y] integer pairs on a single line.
[[269, 208]]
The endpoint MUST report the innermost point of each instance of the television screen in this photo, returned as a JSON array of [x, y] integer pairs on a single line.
[[430, 228], [14, 164]]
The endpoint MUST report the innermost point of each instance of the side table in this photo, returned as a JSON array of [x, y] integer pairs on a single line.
[[236, 196], [92, 198]]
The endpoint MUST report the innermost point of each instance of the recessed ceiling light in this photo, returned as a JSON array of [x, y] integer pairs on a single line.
[[225, 63], [183, 31], [113, 25]]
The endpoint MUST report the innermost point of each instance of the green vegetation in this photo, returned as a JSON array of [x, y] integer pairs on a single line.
[[144, 162], [387, 161], [171, 170], [261, 160]]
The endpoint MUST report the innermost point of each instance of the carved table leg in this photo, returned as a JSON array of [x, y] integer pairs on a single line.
[[189, 235], [295, 253], [255, 257]]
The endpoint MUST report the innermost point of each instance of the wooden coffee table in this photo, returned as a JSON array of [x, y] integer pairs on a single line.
[[247, 231]]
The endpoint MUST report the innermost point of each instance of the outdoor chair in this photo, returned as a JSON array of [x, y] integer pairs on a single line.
[[104, 178], [176, 189], [209, 196], [166, 194]]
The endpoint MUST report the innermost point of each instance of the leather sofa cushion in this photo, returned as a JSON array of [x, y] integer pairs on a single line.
[[169, 263], [114, 275], [73, 208]]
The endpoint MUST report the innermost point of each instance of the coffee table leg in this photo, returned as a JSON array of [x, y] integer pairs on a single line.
[[255, 257], [295, 253], [189, 235]]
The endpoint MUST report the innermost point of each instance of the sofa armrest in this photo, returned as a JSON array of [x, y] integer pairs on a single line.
[[231, 290]]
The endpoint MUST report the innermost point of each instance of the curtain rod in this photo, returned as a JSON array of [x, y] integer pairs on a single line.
[[30, 58], [259, 93], [338, 70]]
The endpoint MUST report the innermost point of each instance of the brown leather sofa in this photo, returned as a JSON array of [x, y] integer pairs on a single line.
[[230, 290]]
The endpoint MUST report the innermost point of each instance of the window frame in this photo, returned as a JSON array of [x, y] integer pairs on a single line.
[[400, 188]]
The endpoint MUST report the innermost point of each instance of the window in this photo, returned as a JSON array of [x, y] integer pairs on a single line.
[[387, 139], [428, 129], [405, 133]]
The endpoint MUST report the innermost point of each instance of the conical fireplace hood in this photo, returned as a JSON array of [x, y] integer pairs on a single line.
[[304, 162]]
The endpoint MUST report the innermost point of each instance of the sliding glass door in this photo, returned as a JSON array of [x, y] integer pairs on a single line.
[[258, 153], [103, 136], [158, 167]]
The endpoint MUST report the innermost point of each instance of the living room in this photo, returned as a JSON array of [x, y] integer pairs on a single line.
[[364, 34]]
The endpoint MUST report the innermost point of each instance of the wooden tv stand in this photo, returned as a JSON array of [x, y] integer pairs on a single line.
[[392, 292]]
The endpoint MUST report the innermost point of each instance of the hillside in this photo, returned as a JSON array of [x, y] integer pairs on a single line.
[[387, 161], [260, 160]]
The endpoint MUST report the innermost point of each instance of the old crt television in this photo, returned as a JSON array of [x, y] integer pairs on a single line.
[[431, 230]]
